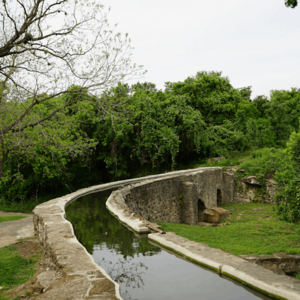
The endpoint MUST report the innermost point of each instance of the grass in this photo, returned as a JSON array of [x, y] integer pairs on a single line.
[[15, 269], [27, 206], [266, 162], [254, 228], [258, 162], [10, 218], [232, 159], [22, 206]]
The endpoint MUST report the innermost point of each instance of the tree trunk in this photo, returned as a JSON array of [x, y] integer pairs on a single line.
[[1, 166], [1, 158]]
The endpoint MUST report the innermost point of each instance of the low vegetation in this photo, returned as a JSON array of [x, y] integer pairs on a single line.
[[10, 218], [17, 265], [253, 228]]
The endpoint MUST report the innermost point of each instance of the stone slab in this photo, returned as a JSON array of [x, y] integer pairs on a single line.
[[278, 286]]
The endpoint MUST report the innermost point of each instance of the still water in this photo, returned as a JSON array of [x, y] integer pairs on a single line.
[[144, 270]]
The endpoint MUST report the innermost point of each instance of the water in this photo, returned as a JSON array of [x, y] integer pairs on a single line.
[[144, 270]]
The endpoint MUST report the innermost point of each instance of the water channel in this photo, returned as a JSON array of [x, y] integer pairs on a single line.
[[144, 270]]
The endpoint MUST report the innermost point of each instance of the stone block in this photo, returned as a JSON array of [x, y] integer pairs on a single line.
[[211, 216], [223, 213]]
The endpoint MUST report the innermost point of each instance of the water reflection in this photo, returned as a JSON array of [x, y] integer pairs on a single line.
[[128, 273], [94, 225], [143, 270]]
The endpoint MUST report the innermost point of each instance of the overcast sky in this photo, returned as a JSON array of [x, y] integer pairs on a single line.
[[254, 43]]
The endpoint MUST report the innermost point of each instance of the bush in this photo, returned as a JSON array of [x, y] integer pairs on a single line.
[[264, 163]]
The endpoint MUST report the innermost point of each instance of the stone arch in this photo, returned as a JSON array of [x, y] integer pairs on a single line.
[[201, 208], [219, 197]]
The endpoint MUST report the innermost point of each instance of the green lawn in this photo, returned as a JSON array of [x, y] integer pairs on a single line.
[[254, 228], [11, 218], [15, 269]]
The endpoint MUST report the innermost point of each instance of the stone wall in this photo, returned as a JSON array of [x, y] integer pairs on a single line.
[[188, 202], [157, 200], [249, 189], [175, 199], [209, 182]]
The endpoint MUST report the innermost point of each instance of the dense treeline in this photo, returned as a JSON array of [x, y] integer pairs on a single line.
[[142, 128]]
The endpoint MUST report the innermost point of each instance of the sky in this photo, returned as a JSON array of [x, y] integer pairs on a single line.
[[254, 43]]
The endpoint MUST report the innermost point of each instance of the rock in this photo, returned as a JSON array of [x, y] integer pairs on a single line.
[[223, 213], [279, 263], [241, 171], [46, 278], [271, 188], [214, 214], [205, 224], [278, 271], [37, 288], [211, 216], [210, 160], [251, 180], [231, 169], [218, 158]]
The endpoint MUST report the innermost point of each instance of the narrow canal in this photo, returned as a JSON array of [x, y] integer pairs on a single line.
[[144, 270]]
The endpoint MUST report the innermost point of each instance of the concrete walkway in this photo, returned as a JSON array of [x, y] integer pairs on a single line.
[[11, 231], [227, 264]]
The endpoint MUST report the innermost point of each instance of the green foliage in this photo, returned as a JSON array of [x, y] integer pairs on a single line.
[[288, 200], [291, 3], [283, 114], [43, 154], [164, 125], [293, 147], [131, 131], [211, 94], [222, 139], [288, 178], [260, 133], [264, 163]]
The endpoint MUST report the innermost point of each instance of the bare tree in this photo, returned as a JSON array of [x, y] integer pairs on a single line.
[[48, 46]]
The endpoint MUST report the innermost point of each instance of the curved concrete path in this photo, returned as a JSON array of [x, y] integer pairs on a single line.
[[11, 231]]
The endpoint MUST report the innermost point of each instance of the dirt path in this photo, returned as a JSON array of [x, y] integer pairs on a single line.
[[11, 231]]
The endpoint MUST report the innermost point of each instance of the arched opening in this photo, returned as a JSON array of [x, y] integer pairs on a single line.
[[201, 208], [219, 197]]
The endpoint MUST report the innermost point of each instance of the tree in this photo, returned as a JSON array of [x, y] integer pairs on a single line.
[[291, 3], [47, 47]]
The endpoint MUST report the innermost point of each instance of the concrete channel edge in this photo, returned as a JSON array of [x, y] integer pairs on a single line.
[[229, 271], [76, 273], [252, 275]]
